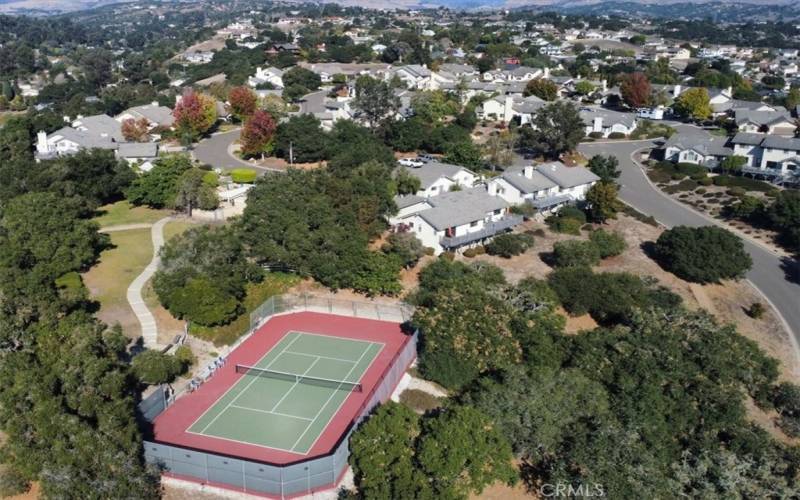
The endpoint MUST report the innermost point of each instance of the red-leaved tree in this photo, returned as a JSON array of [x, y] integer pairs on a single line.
[[136, 130], [194, 114], [635, 90], [243, 102], [258, 133]]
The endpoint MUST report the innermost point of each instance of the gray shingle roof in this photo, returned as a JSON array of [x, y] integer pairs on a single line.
[[700, 141], [407, 200], [566, 177], [761, 117], [84, 139], [101, 126], [156, 114], [433, 171], [609, 117], [457, 208], [749, 138], [778, 142], [138, 150], [537, 182]]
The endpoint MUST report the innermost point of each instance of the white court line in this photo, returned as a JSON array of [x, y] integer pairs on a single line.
[[243, 390], [270, 412], [333, 393], [296, 381], [318, 356]]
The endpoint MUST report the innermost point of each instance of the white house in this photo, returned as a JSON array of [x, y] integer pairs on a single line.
[[773, 156], [546, 186], [156, 115], [506, 108], [698, 147], [437, 178], [606, 122], [269, 75], [769, 122], [455, 220]]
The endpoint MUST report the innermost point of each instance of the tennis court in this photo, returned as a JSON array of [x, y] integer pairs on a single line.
[[286, 400]]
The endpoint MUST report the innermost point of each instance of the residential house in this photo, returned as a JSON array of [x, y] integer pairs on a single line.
[[769, 122], [437, 178], [455, 220], [326, 110], [156, 115], [604, 122], [546, 186], [269, 75], [775, 157], [198, 57], [93, 132], [696, 146], [506, 108]]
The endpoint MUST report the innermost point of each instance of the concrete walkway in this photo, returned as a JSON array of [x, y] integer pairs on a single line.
[[135, 299], [124, 227]]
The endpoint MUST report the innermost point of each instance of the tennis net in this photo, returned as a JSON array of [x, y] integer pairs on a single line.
[[300, 379]]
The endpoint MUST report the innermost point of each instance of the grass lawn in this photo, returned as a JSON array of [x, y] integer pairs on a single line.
[[177, 227], [257, 293], [108, 281], [122, 212]]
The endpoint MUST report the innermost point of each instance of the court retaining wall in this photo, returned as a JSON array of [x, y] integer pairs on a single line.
[[289, 480]]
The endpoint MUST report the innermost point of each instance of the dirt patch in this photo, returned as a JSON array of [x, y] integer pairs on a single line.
[[501, 491], [31, 494], [767, 421], [576, 324]]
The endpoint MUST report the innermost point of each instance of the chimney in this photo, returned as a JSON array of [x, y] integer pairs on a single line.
[[676, 91], [507, 111], [41, 142], [491, 188], [546, 72], [528, 171], [154, 104], [604, 84], [729, 91]]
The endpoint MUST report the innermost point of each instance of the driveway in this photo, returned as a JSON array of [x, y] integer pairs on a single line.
[[215, 151], [769, 273]]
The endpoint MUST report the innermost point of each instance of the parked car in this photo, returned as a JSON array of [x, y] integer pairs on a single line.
[[410, 162]]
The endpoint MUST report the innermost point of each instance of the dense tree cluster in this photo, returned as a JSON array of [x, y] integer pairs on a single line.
[[67, 403], [705, 254], [649, 404], [398, 454]]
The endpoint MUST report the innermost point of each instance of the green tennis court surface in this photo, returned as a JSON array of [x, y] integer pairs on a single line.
[[285, 414]]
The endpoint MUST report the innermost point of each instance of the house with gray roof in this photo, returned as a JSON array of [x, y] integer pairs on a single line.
[[547, 186], [696, 146], [437, 178], [92, 132], [768, 122], [456, 220], [604, 122], [155, 114], [774, 157]]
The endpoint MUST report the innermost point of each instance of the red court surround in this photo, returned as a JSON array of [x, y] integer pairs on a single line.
[[170, 427]]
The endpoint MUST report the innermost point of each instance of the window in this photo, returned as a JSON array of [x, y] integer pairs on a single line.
[[498, 211], [473, 223]]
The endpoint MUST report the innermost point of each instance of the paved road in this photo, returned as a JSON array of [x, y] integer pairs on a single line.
[[770, 271], [134, 295], [215, 152]]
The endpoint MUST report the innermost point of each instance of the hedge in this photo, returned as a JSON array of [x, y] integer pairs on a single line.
[[243, 175]]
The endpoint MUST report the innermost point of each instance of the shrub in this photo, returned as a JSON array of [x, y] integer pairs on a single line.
[[474, 251], [406, 247], [243, 175], [154, 367], [539, 232], [700, 191], [186, 357], [703, 255], [202, 302], [722, 180], [677, 176], [575, 253], [525, 209], [756, 310], [596, 135], [705, 181], [211, 179], [616, 135], [509, 244], [736, 191], [572, 212], [419, 401], [12, 482], [608, 244]]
